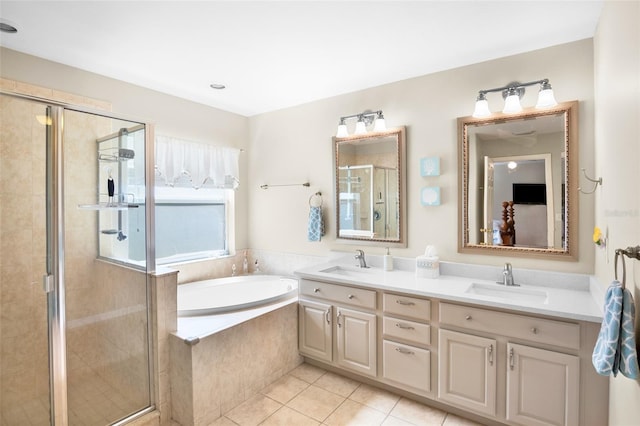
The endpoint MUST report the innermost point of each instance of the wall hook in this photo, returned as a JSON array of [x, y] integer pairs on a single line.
[[596, 182]]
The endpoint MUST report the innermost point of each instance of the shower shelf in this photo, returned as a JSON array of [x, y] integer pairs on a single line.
[[107, 206]]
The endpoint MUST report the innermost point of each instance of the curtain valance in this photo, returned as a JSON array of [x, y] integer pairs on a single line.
[[180, 161]]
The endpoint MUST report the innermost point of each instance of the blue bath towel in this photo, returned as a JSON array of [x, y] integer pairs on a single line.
[[615, 348], [316, 224]]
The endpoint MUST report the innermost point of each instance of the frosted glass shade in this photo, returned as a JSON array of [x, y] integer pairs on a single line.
[[482, 109], [546, 99], [379, 125], [512, 104], [361, 128], [342, 131]]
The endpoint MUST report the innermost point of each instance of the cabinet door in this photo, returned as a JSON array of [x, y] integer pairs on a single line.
[[467, 371], [356, 332], [315, 335], [542, 386]]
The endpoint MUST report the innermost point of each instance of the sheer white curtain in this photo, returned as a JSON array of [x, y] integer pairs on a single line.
[[200, 164]]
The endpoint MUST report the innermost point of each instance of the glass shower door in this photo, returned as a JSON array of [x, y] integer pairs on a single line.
[[24, 361], [107, 320]]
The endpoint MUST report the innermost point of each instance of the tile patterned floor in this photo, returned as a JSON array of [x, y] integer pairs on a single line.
[[309, 395]]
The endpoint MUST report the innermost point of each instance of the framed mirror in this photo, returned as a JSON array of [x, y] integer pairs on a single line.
[[370, 182], [518, 183]]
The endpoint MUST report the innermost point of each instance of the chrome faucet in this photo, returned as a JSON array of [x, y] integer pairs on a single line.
[[507, 276], [362, 263]]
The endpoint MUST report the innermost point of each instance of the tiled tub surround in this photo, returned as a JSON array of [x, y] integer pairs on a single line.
[[212, 374], [533, 342]]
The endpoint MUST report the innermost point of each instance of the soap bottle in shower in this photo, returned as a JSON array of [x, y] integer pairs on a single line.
[[245, 264]]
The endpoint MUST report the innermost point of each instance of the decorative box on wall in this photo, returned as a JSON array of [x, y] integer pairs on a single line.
[[430, 196], [430, 166]]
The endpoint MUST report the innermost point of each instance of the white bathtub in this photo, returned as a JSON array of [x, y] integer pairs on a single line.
[[230, 294]]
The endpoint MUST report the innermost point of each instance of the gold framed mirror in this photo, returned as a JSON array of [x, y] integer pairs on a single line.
[[370, 188], [518, 183]]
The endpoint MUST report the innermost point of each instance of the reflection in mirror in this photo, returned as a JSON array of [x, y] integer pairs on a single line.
[[370, 185], [517, 183]]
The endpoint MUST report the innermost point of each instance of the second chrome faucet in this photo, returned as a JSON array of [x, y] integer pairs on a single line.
[[507, 276]]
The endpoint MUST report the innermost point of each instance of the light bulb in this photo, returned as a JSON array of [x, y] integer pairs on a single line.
[[512, 165]]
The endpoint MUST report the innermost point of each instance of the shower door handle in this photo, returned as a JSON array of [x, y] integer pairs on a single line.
[[47, 283]]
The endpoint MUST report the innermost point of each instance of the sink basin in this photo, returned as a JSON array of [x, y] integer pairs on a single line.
[[518, 294], [347, 271]]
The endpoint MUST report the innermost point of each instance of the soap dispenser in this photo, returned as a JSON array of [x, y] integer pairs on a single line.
[[387, 261]]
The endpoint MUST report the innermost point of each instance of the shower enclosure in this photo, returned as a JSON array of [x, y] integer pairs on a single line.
[[74, 265]]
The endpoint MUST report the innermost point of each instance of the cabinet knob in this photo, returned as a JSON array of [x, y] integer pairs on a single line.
[[534, 330], [316, 290], [351, 296], [468, 318]]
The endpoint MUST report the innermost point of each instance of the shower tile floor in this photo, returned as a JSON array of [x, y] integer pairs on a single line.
[[309, 395]]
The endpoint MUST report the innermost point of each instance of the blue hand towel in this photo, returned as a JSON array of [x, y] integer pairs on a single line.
[[627, 356], [316, 225], [615, 348]]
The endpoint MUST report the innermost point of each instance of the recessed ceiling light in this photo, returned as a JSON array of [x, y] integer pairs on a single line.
[[217, 86], [7, 28]]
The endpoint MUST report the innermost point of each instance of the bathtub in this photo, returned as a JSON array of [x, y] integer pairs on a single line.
[[223, 295]]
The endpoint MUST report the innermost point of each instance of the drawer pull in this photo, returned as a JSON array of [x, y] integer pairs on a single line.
[[316, 290], [327, 316], [534, 330], [511, 360], [404, 302], [338, 318], [404, 351], [491, 354], [351, 296], [404, 326], [468, 318]]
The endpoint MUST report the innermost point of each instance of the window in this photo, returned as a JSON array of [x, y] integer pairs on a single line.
[[192, 223], [194, 198]]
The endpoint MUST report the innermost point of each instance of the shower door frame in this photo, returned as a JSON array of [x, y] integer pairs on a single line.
[[53, 281]]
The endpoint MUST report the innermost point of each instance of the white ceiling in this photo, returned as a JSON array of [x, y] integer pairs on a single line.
[[273, 55]]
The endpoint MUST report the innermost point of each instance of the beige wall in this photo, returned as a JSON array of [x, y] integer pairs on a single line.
[[172, 116], [294, 145], [617, 149]]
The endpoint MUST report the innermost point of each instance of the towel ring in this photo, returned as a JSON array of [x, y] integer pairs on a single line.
[[316, 200], [620, 253]]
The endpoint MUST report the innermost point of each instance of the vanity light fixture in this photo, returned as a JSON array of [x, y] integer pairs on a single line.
[[364, 120], [512, 93]]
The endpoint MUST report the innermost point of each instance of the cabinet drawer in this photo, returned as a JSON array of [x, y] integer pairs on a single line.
[[407, 365], [411, 331], [407, 306], [338, 293], [539, 330]]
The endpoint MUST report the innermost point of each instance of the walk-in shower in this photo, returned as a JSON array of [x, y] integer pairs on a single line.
[[74, 292]]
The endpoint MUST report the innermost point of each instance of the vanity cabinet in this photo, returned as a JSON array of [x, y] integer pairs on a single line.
[[344, 319], [542, 385], [502, 365]]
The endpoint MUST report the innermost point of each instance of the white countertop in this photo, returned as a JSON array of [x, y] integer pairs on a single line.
[[569, 296]]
